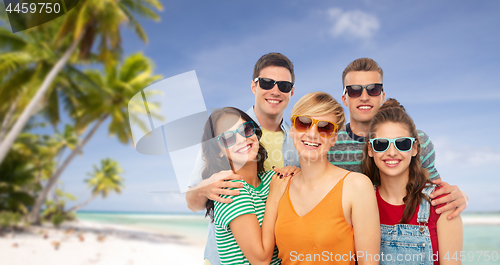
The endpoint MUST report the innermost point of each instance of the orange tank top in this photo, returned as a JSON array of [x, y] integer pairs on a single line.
[[322, 235]]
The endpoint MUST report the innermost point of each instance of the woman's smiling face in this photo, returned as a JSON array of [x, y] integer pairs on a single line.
[[244, 149], [310, 145], [392, 162]]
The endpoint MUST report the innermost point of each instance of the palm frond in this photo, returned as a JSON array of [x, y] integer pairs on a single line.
[[143, 8], [51, 110], [12, 87], [133, 65], [10, 41], [12, 61], [139, 30]]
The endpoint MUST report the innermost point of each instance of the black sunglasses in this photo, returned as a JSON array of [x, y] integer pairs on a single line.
[[355, 91], [268, 83]]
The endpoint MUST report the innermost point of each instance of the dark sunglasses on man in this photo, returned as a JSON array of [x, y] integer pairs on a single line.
[[268, 83], [355, 91]]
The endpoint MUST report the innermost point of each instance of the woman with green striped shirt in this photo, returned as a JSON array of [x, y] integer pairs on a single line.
[[244, 227]]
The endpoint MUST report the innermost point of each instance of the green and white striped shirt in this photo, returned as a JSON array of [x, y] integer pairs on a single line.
[[347, 153], [250, 201]]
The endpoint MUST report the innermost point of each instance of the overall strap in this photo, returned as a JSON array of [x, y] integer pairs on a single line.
[[425, 206]]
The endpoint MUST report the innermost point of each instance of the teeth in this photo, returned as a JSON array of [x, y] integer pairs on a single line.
[[273, 101], [392, 162], [364, 107], [311, 144], [244, 149]]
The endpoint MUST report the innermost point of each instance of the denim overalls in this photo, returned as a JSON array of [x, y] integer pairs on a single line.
[[408, 244]]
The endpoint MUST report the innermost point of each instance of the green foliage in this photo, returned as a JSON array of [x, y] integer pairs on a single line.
[[110, 94], [87, 96], [54, 212], [106, 178], [101, 20], [17, 181], [25, 59], [10, 219], [54, 209], [31, 160]]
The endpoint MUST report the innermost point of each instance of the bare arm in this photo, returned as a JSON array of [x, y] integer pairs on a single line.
[[256, 242], [364, 217], [455, 199], [450, 238], [212, 188]]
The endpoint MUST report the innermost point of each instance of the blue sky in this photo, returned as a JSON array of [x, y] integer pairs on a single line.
[[439, 58]]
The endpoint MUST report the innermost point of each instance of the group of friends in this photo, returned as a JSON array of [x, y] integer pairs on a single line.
[[320, 190]]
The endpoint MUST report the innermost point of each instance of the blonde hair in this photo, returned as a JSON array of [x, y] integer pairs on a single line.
[[319, 104]]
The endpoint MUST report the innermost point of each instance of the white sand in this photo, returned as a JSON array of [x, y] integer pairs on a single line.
[[119, 245]]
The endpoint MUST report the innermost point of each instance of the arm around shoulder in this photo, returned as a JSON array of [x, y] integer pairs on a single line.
[[428, 155], [196, 200], [212, 188]]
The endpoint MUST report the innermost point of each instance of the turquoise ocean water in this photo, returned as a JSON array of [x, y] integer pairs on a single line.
[[481, 242], [192, 226]]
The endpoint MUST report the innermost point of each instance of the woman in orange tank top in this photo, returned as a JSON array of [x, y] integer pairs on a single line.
[[327, 214]]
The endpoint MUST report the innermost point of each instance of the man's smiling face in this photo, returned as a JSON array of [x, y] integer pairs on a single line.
[[272, 102], [363, 108]]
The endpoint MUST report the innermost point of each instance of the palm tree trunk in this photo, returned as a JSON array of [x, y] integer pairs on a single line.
[[6, 121], [34, 217], [79, 206], [35, 101]]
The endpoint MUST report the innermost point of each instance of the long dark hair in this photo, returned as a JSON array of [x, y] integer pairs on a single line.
[[392, 111], [211, 150]]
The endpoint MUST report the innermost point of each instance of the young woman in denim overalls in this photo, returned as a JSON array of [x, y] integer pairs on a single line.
[[410, 226]]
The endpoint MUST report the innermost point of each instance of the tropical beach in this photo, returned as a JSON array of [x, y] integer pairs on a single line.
[[75, 188], [135, 238], [90, 242]]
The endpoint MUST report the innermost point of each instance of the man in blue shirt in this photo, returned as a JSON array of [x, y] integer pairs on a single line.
[[273, 86]]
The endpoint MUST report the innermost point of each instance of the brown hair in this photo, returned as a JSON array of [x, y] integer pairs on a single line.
[[273, 59], [392, 111], [210, 148], [362, 64], [319, 104]]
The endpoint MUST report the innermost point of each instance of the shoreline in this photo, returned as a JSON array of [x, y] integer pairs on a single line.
[[85, 242], [476, 220], [468, 219]]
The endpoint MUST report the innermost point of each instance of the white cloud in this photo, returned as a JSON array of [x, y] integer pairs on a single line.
[[459, 155], [471, 168], [357, 24]]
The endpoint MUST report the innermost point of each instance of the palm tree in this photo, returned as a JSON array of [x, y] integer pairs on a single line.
[[119, 84], [30, 161], [25, 58], [88, 21], [16, 182], [103, 180]]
